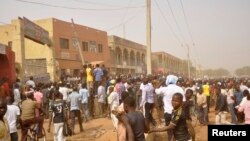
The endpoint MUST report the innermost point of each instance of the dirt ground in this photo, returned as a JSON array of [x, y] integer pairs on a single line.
[[101, 129]]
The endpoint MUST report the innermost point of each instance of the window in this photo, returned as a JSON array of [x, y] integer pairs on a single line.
[[92, 46], [100, 48], [64, 43], [85, 46]]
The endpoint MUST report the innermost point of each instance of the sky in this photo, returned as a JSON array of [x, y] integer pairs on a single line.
[[216, 31]]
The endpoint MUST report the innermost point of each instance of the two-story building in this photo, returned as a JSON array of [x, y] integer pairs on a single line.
[[54, 47], [128, 56], [163, 62]]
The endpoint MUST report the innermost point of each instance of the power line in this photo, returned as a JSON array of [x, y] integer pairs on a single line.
[[126, 21], [189, 31], [164, 17], [79, 8], [124, 16], [186, 45], [186, 21], [178, 26], [95, 3]]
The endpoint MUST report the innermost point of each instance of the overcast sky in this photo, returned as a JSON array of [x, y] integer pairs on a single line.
[[217, 31]]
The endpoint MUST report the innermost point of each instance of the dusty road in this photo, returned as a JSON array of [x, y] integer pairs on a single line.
[[101, 129]]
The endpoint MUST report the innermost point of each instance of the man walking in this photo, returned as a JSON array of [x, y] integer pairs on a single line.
[[75, 100]]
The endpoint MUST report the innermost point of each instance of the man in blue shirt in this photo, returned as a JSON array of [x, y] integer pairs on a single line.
[[75, 100], [98, 73], [84, 100]]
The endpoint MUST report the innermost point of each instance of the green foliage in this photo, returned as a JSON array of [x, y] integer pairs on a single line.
[[216, 73], [244, 71]]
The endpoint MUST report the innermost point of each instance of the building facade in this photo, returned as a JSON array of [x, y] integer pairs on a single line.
[[163, 62], [30, 43], [93, 44], [51, 46], [127, 57]]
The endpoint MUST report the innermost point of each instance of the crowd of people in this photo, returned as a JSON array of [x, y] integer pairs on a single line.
[[128, 100]]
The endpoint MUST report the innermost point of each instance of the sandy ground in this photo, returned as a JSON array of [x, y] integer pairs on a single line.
[[101, 129]]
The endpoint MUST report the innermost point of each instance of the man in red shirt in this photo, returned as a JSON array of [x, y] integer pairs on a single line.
[[5, 88]]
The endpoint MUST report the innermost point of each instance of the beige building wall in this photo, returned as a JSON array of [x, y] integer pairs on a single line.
[[165, 63], [57, 59], [128, 56], [44, 51], [25, 48], [11, 35]]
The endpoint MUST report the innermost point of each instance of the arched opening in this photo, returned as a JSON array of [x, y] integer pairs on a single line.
[[138, 58], [118, 54], [125, 57], [132, 58]]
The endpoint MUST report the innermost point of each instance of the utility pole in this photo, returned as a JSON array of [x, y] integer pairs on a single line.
[[77, 42], [149, 67], [188, 63]]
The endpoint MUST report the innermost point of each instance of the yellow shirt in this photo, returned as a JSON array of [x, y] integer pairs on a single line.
[[89, 74], [206, 90], [4, 130]]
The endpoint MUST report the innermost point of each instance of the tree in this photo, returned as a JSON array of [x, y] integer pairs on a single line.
[[244, 71], [216, 73]]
